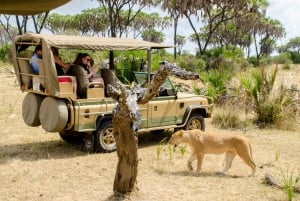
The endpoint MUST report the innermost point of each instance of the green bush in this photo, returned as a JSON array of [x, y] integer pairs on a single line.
[[228, 53], [127, 63], [191, 63], [283, 58], [227, 117], [216, 81], [253, 60], [295, 56], [4, 51], [266, 60], [270, 104], [267, 113], [287, 65]]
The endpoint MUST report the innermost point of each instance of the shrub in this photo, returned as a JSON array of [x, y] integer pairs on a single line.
[[267, 113], [4, 51], [128, 62], [191, 63], [287, 65], [216, 81], [253, 60], [227, 117], [295, 57], [228, 53], [282, 58], [266, 60], [270, 104]]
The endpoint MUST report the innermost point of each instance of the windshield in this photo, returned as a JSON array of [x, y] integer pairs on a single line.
[[142, 78]]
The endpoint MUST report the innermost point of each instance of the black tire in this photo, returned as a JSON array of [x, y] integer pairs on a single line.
[[104, 138], [195, 121], [71, 137]]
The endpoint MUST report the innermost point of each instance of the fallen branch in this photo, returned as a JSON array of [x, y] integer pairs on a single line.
[[269, 179]]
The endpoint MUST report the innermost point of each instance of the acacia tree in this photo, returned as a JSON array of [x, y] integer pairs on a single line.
[[23, 23], [214, 15], [152, 35], [293, 48], [265, 33], [210, 14], [118, 25], [7, 32], [173, 8], [126, 122], [236, 32], [92, 22], [88, 22], [58, 24], [292, 45], [144, 22]]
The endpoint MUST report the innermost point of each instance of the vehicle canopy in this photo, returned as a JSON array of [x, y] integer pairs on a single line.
[[72, 42]]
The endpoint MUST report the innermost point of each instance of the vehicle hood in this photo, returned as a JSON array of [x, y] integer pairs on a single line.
[[202, 99]]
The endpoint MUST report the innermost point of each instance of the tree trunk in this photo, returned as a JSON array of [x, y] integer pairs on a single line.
[[127, 144], [175, 36], [126, 122]]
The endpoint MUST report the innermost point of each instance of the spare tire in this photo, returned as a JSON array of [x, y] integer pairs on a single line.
[[30, 109], [53, 114]]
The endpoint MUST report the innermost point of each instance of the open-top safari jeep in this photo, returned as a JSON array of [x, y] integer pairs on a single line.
[[51, 100]]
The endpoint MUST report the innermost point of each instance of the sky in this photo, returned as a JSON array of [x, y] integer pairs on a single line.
[[287, 12]]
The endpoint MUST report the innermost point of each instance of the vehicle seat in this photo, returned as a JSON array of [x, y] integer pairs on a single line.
[[95, 90], [41, 73], [67, 86], [108, 78], [26, 73]]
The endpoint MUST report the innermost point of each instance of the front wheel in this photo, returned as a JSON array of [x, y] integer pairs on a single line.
[[195, 121], [104, 138]]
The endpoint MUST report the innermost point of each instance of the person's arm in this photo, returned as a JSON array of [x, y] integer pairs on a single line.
[[59, 62]]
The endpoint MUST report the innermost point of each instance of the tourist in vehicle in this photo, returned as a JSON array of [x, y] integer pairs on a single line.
[[87, 62], [84, 60], [34, 59], [80, 69], [60, 66], [93, 75]]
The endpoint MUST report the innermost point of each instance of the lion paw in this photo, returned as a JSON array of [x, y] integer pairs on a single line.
[[190, 167]]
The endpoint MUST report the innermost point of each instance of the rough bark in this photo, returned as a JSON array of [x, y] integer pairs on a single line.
[[126, 122]]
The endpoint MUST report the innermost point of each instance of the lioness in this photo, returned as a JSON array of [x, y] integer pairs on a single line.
[[205, 143]]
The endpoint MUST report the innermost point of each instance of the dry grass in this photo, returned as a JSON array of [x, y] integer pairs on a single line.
[[36, 165]]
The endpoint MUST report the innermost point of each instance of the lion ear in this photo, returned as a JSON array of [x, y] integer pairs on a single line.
[[180, 133]]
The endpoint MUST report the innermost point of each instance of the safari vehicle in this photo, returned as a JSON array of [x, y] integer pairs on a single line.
[[51, 100]]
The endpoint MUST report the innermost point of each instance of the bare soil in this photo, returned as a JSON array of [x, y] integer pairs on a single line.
[[37, 165]]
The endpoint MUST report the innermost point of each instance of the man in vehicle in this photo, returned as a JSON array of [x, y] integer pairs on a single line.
[[34, 59]]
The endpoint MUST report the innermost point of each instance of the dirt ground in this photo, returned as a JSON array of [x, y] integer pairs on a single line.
[[39, 166]]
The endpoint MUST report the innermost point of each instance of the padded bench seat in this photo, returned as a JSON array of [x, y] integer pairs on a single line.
[[67, 86]]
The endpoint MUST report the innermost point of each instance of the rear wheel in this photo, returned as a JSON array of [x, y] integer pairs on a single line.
[[104, 138], [195, 121]]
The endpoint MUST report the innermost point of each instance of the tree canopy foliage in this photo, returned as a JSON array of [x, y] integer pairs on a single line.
[[215, 23]]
